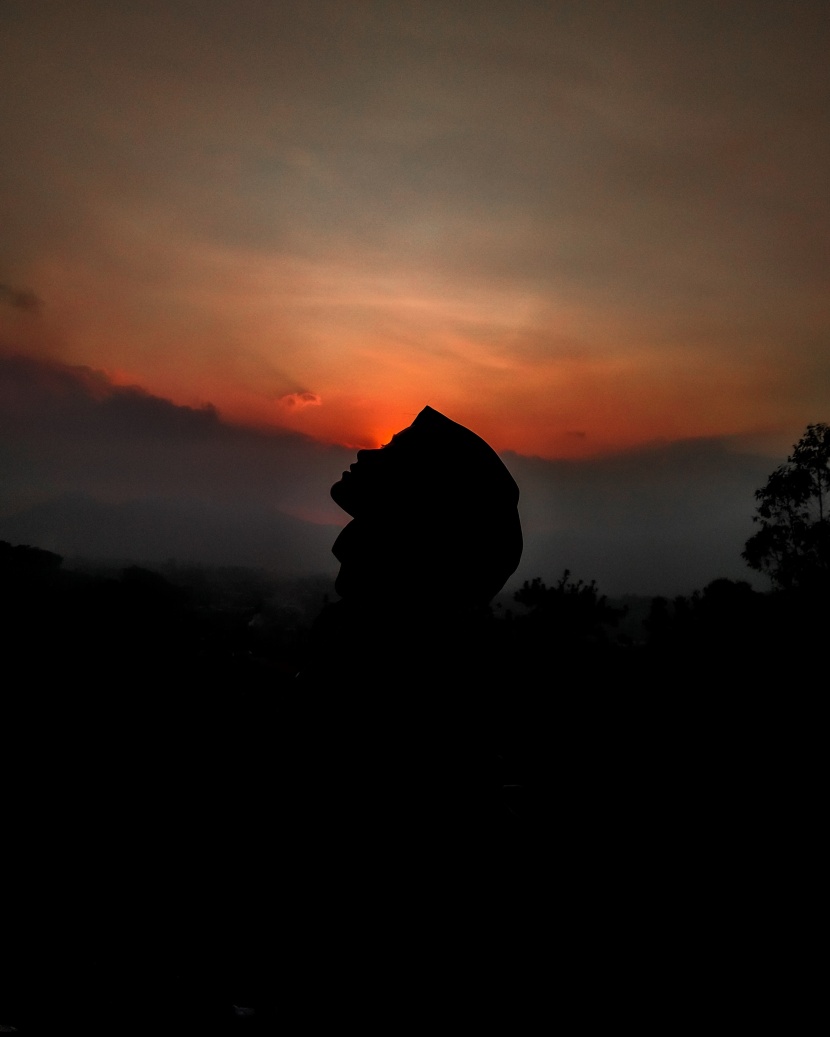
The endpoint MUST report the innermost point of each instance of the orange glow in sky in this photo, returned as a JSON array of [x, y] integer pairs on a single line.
[[572, 233]]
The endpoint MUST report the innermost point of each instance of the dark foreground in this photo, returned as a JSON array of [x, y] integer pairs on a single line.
[[207, 864], [195, 842]]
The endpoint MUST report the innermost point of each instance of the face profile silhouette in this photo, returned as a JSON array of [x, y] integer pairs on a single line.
[[434, 513]]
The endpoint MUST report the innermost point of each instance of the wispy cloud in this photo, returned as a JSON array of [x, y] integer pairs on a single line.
[[300, 399]]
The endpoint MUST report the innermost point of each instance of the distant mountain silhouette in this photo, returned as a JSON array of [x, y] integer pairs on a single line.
[[152, 531]]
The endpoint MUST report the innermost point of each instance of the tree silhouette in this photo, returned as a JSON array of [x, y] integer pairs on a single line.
[[574, 611], [793, 544]]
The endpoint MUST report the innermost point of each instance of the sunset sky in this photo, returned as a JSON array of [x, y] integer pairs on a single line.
[[581, 228]]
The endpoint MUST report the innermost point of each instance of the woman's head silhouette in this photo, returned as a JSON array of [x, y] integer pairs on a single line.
[[435, 509]]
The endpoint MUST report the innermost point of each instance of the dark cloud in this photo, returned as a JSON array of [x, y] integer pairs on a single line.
[[20, 298], [71, 430], [664, 519]]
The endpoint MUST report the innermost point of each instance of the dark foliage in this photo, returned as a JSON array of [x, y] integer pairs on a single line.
[[568, 611], [792, 545], [166, 795]]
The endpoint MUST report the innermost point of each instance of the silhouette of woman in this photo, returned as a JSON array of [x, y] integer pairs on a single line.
[[398, 827], [434, 535]]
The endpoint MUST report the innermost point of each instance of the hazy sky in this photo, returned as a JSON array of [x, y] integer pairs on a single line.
[[580, 228], [572, 226]]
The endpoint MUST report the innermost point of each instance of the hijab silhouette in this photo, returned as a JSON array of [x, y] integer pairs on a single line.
[[434, 515]]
